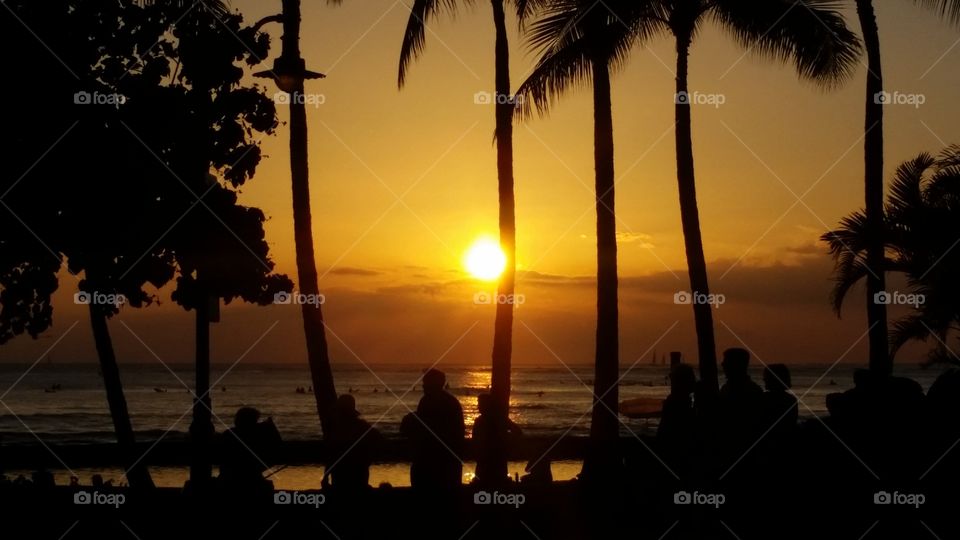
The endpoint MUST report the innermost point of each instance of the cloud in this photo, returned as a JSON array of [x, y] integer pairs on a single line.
[[642, 240], [780, 311], [351, 271]]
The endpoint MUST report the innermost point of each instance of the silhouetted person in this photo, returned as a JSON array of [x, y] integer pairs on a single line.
[[678, 420], [678, 416], [739, 388], [738, 414], [436, 432], [538, 472], [779, 406], [493, 431], [247, 449], [353, 444]]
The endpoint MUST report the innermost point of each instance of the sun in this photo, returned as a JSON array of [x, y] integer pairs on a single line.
[[485, 260]]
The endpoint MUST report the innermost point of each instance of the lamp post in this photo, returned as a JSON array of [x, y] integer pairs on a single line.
[[289, 73]]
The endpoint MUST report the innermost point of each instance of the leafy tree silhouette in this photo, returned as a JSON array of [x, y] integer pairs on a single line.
[[148, 116], [921, 226]]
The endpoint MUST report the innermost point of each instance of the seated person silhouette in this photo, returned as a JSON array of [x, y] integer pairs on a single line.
[[436, 432], [739, 401], [678, 416], [779, 406], [246, 451], [493, 433], [353, 444]]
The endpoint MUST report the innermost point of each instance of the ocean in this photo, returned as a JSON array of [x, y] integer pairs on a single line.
[[546, 401]]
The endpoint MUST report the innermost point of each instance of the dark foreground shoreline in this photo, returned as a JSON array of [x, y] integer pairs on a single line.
[[178, 452], [561, 510]]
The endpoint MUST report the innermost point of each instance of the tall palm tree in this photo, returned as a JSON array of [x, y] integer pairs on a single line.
[[880, 360], [811, 33], [581, 44], [921, 223], [414, 40], [289, 73]]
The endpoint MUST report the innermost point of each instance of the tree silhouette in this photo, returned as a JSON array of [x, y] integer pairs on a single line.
[[107, 194], [880, 361], [218, 245], [289, 73], [414, 41], [581, 45], [810, 33], [921, 225]]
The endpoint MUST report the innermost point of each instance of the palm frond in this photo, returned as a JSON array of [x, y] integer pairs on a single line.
[[218, 7], [812, 34], [573, 34], [415, 35], [906, 329], [528, 8], [949, 9]]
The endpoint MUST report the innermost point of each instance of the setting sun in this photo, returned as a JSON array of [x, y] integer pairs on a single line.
[[485, 260]]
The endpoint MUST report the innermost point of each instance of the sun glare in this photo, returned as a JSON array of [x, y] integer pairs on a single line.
[[484, 260]]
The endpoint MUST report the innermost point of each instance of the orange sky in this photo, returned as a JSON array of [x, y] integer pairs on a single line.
[[403, 182]]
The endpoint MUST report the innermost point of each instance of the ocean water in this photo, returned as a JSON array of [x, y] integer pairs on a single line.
[[546, 401]]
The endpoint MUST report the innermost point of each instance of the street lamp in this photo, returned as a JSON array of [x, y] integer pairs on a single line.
[[289, 69], [289, 74]]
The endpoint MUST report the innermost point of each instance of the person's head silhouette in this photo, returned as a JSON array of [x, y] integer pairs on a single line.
[[683, 381], [736, 362], [346, 406], [485, 404], [246, 417], [776, 378], [433, 381]]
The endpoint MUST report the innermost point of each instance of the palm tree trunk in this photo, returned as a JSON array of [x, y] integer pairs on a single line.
[[137, 474], [873, 187], [503, 325], [201, 429], [318, 354], [690, 219], [603, 457]]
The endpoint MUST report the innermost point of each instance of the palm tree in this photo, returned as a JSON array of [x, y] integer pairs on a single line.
[[880, 360], [289, 73], [921, 223], [414, 40], [582, 43], [810, 33]]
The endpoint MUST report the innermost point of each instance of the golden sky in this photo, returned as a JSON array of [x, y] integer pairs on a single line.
[[403, 182]]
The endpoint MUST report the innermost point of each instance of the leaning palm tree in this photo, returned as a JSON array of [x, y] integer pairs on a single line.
[[580, 44], [289, 72], [921, 224], [810, 33], [880, 360], [414, 40]]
